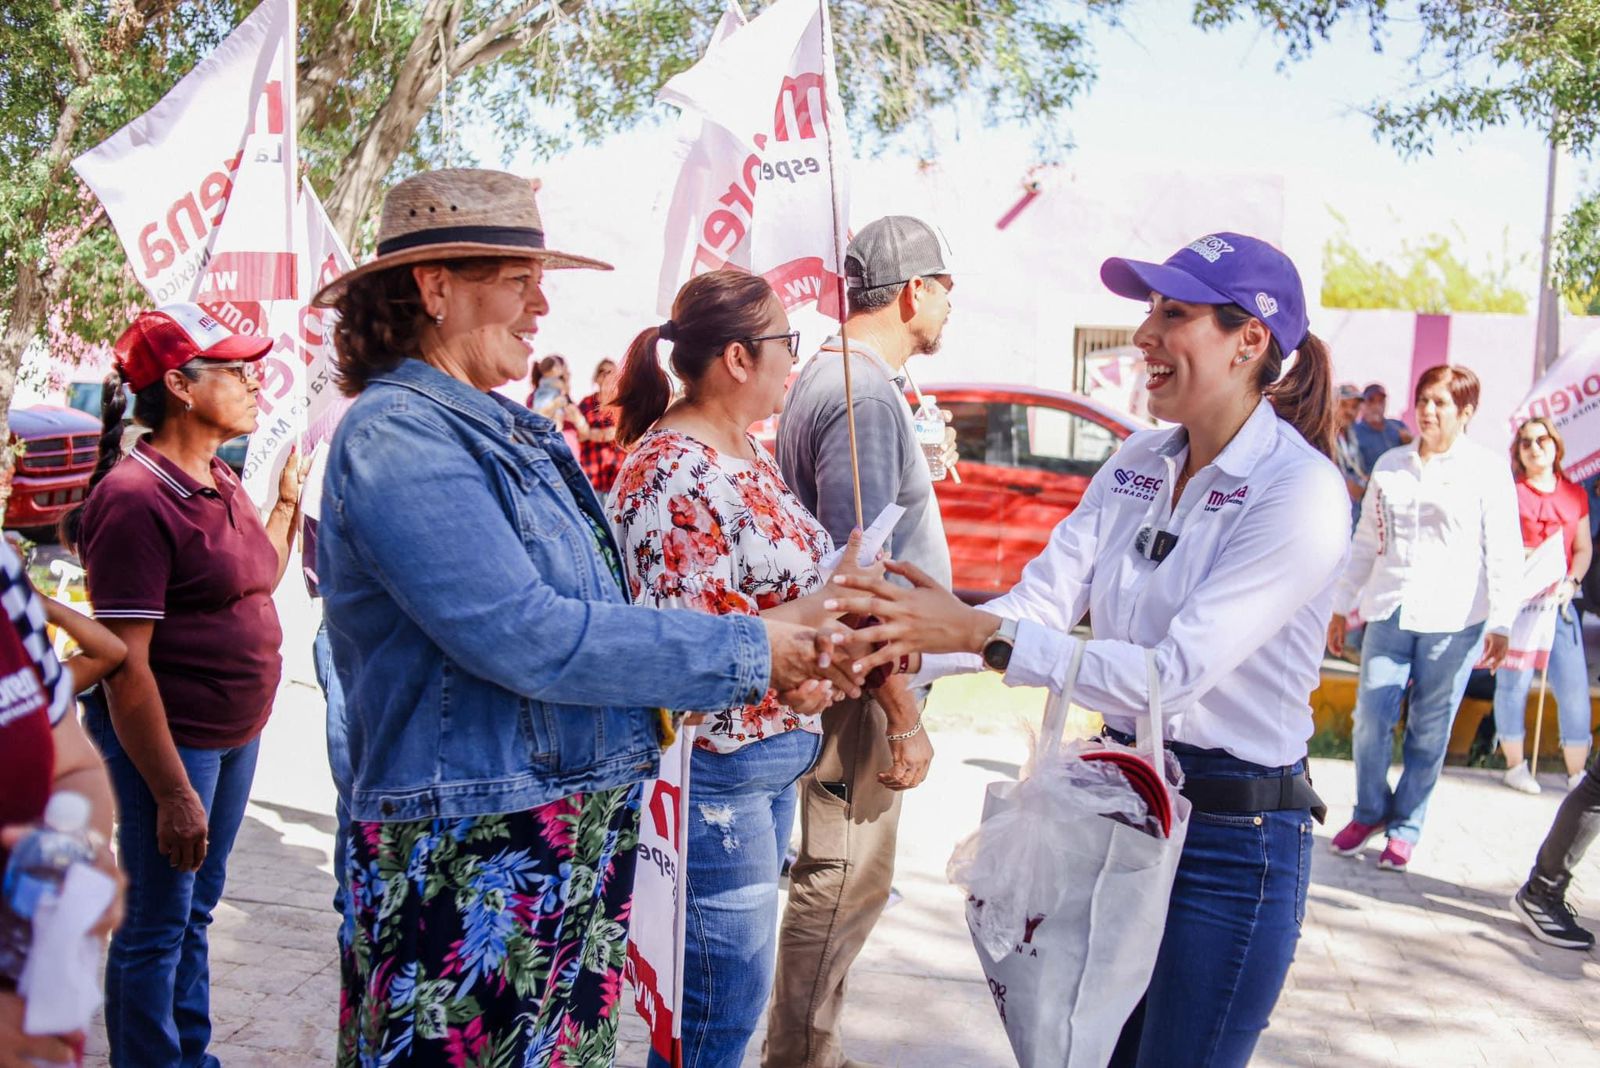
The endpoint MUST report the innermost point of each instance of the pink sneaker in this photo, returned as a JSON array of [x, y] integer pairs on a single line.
[[1348, 842], [1396, 854]]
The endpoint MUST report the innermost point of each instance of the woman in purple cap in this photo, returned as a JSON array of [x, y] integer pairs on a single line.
[[1216, 544], [181, 567]]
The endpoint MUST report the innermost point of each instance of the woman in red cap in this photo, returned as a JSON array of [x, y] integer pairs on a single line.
[[1215, 544], [180, 567]]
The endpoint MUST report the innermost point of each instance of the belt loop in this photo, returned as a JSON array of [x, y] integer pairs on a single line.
[[1286, 787]]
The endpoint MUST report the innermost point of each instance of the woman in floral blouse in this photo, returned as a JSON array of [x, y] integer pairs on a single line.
[[705, 522]]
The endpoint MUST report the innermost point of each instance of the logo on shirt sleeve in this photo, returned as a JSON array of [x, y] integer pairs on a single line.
[[1133, 484]]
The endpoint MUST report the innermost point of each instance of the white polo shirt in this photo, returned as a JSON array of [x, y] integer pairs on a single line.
[[1237, 613], [1439, 542]]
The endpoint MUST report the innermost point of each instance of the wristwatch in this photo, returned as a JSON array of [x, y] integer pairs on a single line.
[[997, 650]]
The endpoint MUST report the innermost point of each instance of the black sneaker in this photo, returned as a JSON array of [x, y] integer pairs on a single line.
[[1550, 920]]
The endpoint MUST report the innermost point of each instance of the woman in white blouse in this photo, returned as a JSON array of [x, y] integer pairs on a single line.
[[1433, 570], [1216, 544]]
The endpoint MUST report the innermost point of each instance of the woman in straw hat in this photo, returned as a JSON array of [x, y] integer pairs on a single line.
[[502, 693]]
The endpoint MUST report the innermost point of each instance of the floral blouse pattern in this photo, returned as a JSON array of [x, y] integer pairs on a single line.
[[710, 532]]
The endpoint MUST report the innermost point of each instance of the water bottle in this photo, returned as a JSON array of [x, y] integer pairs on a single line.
[[929, 423], [36, 871]]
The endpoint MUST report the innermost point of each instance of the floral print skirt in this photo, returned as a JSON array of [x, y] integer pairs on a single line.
[[489, 941]]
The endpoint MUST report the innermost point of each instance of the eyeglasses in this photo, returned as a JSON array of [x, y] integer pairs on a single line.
[[245, 371], [792, 338], [1535, 443]]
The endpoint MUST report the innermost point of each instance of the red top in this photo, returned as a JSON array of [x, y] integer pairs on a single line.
[[600, 459], [158, 545], [35, 693], [1563, 508]]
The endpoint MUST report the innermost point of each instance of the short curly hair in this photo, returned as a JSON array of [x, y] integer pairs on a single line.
[[381, 319]]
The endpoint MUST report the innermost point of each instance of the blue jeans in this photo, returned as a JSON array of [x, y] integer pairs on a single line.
[[741, 809], [1569, 685], [1436, 666], [1237, 905], [158, 982], [338, 758]]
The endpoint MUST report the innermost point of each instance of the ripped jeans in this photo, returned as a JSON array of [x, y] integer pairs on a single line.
[[741, 809]]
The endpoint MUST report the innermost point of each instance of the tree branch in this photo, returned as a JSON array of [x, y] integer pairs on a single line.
[[469, 53]]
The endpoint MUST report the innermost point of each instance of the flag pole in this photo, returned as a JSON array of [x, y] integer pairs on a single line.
[[1538, 719], [831, 72]]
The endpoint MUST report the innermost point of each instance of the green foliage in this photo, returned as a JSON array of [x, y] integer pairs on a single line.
[[1428, 276], [545, 74], [1480, 64]]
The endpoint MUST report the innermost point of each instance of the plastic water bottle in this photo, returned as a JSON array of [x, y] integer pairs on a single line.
[[36, 871], [929, 423]]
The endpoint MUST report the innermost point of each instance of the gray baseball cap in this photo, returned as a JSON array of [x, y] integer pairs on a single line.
[[893, 249]]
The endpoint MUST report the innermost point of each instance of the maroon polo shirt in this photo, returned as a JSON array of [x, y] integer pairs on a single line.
[[158, 545]]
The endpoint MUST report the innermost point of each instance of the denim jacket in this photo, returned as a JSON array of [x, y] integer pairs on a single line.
[[491, 662]]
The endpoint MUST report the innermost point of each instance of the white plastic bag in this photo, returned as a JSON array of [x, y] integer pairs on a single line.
[[1067, 905]]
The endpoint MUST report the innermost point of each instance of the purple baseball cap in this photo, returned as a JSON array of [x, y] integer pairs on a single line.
[[1222, 268]]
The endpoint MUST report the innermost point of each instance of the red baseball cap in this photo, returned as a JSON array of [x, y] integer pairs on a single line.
[[166, 339]]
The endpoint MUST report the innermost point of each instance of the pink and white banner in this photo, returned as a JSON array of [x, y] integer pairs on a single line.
[[1569, 396], [756, 190], [654, 966], [1534, 631], [167, 177]]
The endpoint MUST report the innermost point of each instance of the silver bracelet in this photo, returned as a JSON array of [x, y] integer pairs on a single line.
[[912, 733]]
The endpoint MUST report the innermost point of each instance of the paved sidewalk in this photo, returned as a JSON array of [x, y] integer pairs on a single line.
[[1422, 968]]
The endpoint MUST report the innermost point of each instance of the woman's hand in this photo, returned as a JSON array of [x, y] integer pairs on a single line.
[[810, 697], [18, 1050], [181, 834], [104, 862], [1338, 627], [292, 479], [926, 618], [1495, 648], [802, 653]]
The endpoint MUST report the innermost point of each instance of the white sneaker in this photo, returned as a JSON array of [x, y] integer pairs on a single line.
[[1521, 779], [1574, 779]]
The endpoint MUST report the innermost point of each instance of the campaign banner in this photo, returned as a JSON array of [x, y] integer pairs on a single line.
[[298, 403], [1569, 396], [762, 179], [654, 966], [1534, 631], [167, 177]]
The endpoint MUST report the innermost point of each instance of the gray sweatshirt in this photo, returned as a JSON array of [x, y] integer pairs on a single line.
[[814, 454]]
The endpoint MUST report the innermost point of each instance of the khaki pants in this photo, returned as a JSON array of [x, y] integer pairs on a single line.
[[837, 888]]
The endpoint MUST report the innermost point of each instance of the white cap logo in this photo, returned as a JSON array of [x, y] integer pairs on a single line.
[[1266, 305], [1211, 248], [202, 329]]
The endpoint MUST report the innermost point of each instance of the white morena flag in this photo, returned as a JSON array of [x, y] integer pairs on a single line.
[[654, 965], [1569, 396], [167, 177], [761, 187], [1534, 631]]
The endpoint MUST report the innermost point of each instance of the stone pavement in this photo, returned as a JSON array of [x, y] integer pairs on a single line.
[[1423, 968]]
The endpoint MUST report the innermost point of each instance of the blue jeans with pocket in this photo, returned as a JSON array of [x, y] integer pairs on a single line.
[[741, 810], [1436, 666], [1237, 905], [1569, 685], [158, 979]]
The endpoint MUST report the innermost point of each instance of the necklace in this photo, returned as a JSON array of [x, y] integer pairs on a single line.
[[1183, 481]]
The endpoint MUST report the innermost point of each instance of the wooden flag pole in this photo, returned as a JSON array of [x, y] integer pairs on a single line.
[[830, 72], [1538, 719]]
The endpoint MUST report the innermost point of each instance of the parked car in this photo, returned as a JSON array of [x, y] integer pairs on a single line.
[[85, 396], [59, 446], [1027, 455]]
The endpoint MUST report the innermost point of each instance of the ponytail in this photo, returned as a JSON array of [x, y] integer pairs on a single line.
[[643, 389], [1304, 396], [113, 405]]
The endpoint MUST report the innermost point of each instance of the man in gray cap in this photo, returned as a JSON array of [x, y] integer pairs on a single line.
[[898, 287]]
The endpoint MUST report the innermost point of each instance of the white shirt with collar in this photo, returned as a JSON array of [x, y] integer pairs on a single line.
[[1438, 540], [1237, 613]]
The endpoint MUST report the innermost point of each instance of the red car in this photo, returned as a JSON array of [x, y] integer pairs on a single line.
[[1027, 455], [60, 446]]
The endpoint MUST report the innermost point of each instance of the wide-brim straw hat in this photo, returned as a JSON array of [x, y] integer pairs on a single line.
[[455, 214]]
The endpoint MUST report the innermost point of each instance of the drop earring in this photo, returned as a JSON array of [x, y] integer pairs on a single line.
[[438, 320], [188, 406]]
